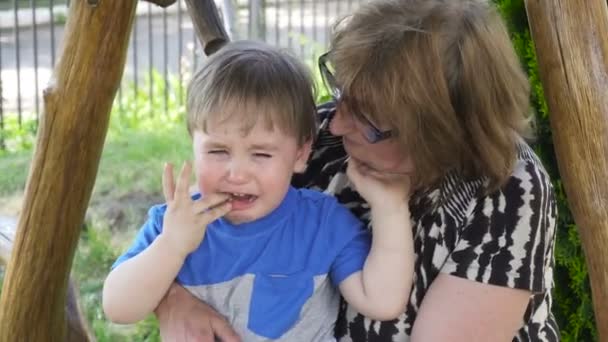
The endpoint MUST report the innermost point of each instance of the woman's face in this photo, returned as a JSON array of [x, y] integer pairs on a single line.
[[384, 157]]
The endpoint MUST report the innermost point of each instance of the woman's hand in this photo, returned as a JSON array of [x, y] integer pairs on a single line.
[[184, 318], [185, 220]]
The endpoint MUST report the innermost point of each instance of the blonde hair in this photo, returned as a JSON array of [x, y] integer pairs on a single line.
[[444, 75], [253, 81]]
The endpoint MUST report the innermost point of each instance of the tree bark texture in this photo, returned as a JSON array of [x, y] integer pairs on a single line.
[[78, 329], [571, 38], [70, 139]]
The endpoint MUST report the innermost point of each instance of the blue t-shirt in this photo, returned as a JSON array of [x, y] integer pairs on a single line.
[[276, 277]]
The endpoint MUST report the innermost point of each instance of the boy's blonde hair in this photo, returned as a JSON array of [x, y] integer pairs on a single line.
[[251, 81], [444, 75]]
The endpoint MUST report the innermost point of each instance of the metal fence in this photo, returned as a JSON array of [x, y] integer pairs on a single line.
[[163, 42]]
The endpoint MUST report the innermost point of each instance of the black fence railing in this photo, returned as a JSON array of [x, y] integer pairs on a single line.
[[163, 43]]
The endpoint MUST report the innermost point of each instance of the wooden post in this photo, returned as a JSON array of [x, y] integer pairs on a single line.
[[209, 27], [70, 139], [571, 38], [77, 328]]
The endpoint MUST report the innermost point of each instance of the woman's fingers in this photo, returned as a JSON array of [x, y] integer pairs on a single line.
[[168, 182], [224, 331]]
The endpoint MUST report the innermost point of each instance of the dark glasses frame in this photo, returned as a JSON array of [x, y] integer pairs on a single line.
[[372, 133]]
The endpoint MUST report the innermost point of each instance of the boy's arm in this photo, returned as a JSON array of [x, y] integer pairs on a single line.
[[134, 288], [381, 289]]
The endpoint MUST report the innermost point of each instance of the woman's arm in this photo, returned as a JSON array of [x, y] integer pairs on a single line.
[[457, 309], [182, 317], [515, 229]]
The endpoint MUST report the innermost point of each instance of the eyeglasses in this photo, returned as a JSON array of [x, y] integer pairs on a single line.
[[372, 133]]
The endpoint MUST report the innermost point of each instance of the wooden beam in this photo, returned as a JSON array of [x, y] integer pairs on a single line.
[[70, 138], [78, 329], [162, 3], [571, 39], [209, 27]]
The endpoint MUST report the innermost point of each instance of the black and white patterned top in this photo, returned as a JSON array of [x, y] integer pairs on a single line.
[[505, 238]]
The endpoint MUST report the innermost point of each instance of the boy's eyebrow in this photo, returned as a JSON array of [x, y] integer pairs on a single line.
[[213, 144], [265, 147]]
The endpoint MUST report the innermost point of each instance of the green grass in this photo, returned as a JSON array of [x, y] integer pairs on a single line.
[[13, 171]]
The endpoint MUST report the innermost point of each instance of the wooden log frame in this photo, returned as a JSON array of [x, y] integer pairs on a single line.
[[70, 139], [77, 328], [571, 38], [209, 27]]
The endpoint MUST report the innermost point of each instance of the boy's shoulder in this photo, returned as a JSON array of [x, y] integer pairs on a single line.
[[315, 198], [313, 195], [321, 207]]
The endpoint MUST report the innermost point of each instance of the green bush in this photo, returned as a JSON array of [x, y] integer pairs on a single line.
[[92, 262], [572, 308]]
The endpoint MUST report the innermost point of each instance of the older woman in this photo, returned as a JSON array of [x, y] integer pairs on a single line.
[[432, 89]]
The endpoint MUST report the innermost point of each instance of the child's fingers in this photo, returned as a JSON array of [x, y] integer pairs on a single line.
[[209, 202], [183, 181], [216, 212], [168, 182]]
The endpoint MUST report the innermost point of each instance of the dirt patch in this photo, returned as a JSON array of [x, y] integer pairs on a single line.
[[118, 213], [125, 212], [11, 205]]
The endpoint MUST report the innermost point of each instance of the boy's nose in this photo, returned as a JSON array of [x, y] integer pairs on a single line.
[[237, 172]]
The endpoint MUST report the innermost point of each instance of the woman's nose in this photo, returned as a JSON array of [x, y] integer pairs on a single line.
[[341, 123]]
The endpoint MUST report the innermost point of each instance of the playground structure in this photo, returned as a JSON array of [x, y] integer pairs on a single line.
[[572, 48]]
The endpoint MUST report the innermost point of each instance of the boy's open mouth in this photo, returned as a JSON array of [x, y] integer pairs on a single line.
[[240, 197]]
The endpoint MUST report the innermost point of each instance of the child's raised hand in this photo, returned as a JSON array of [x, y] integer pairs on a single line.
[[186, 220], [379, 190]]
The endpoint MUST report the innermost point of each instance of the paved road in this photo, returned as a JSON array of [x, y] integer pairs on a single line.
[[7, 235], [305, 34]]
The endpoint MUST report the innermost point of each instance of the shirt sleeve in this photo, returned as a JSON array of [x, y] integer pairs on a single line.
[[146, 235], [353, 240], [508, 237]]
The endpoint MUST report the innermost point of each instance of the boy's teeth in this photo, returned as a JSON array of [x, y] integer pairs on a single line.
[[241, 197], [235, 194]]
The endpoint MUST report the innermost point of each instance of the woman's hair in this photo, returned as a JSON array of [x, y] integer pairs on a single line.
[[444, 75], [253, 81]]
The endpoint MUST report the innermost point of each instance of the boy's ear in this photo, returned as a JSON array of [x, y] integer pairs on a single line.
[[302, 157]]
